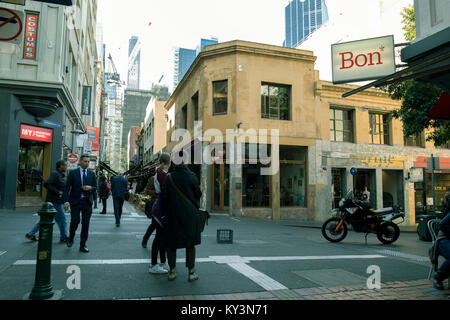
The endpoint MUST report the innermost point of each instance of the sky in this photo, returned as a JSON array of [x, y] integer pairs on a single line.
[[182, 23]]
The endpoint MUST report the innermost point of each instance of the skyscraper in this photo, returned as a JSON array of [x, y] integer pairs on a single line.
[[185, 57], [303, 17], [134, 63]]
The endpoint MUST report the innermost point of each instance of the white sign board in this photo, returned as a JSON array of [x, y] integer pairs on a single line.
[[363, 59], [416, 175], [87, 147]]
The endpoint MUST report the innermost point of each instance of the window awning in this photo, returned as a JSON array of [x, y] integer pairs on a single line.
[[442, 108]]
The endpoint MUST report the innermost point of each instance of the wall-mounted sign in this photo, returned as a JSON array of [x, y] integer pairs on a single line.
[[11, 25], [30, 38], [36, 133], [93, 135], [363, 59], [416, 175], [86, 102]]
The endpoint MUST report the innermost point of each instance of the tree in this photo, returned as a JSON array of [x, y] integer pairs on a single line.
[[418, 97]]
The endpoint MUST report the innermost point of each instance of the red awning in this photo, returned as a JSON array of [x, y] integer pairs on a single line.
[[442, 108]]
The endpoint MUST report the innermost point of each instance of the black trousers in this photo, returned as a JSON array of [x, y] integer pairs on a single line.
[[190, 257], [149, 231], [85, 208], [104, 200], [156, 247]]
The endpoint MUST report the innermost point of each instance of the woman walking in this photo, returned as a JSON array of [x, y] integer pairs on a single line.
[[158, 217], [103, 193]]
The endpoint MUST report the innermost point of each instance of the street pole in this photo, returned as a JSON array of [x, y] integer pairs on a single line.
[[432, 184], [42, 287]]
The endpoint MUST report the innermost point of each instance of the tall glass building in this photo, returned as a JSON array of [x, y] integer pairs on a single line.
[[185, 57], [134, 63], [303, 17]]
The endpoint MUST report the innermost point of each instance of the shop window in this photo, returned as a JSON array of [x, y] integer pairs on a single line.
[[341, 125], [256, 187], [379, 128], [275, 101], [293, 176], [220, 97]]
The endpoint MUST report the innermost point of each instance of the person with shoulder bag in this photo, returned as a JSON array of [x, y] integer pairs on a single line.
[[181, 199]]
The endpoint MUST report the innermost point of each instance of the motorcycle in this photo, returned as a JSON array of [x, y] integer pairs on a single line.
[[362, 218]]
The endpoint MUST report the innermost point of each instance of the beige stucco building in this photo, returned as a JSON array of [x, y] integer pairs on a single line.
[[249, 89]]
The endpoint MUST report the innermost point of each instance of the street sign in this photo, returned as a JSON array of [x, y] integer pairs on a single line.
[[87, 147], [53, 124], [72, 158], [11, 25], [353, 171]]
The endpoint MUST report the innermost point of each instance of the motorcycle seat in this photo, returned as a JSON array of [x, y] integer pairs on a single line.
[[384, 210]]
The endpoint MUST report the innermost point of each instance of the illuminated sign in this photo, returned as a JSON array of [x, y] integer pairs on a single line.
[[36, 133], [30, 39]]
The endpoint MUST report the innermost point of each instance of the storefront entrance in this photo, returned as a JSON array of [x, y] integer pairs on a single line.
[[220, 187], [33, 168], [365, 178]]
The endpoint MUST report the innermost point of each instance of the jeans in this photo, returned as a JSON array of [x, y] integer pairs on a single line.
[[444, 250], [118, 206], [190, 257], [60, 219]]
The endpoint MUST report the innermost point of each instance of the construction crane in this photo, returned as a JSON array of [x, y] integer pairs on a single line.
[[113, 76]]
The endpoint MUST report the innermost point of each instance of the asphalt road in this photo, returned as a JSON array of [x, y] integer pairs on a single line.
[[264, 256]]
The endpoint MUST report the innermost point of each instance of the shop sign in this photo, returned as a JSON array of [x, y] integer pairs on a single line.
[[384, 162], [36, 133], [361, 60], [30, 39], [93, 135], [86, 101], [416, 175]]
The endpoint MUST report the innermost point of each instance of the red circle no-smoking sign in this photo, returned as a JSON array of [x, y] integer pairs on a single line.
[[9, 17], [72, 158]]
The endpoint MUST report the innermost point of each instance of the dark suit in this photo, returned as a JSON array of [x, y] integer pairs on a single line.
[[80, 201], [119, 186]]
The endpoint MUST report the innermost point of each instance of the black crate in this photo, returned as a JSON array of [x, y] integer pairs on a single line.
[[224, 236]]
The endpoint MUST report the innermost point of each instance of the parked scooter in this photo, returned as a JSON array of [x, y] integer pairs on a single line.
[[362, 218]]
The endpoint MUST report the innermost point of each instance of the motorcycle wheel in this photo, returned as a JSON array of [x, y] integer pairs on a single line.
[[388, 233], [329, 230]]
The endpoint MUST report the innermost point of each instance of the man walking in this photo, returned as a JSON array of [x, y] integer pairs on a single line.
[[78, 194], [55, 191], [119, 187]]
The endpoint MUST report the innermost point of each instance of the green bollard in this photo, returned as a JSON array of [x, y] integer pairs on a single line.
[[42, 286]]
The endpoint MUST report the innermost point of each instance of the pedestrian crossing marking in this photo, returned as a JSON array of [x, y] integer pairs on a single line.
[[2, 252]]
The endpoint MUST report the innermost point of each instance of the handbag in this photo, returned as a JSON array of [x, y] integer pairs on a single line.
[[202, 215]]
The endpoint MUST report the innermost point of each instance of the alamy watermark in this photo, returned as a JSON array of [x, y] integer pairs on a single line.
[[208, 147]]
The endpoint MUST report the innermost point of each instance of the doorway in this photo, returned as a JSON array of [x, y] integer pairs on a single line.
[[366, 178], [33, 169], [220, 187]]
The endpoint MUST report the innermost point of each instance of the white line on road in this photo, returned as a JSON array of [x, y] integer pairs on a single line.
[[258, 277], [2, 252], [372, 256]]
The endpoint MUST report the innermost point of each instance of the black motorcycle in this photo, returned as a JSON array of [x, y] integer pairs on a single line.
[[362, 218]]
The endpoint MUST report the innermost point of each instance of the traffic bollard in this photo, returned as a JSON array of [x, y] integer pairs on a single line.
[[42, 286]]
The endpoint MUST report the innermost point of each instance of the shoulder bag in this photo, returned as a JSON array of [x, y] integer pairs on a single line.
[[203, 216]]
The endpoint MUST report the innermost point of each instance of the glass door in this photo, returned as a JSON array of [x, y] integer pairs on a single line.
[[220, 186], [30, 169]]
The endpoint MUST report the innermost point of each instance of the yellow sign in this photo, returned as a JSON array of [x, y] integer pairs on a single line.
[[384, 162]]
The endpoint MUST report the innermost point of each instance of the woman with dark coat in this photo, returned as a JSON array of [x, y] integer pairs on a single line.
[[181, 198], [103, 193]]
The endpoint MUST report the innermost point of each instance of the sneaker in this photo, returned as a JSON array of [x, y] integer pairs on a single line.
[[172, 275], [437, 284], [192, 276], [31, 237], [164, 266], [156, 269]]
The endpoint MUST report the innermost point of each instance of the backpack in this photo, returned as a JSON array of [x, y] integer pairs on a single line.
[[108, 189]]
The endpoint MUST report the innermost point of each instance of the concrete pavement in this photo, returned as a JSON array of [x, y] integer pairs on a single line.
[[267, 260]]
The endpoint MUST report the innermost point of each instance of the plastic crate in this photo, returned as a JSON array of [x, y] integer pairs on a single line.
[[224, 236]]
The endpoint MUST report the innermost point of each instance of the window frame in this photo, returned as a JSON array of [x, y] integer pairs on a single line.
[[214, 98], [382, 121], [333, 120], [266, 101]]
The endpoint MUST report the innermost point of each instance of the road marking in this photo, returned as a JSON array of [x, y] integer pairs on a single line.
[[216, 259], [134, 214], [259, 278], [2, 252], [404, 255]]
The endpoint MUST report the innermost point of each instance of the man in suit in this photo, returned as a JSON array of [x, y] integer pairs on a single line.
[[119, 187], [78, 194]]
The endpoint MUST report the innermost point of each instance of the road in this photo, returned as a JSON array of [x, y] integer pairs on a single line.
[[267, 260]]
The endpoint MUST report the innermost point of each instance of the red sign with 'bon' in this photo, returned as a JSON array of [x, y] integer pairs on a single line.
[[36, 133]]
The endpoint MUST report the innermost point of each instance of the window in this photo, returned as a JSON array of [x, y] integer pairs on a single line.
[[341, 125], [416, 140], [184, 117], [379, 128], [275, 101], [220, 97], [293, 176], [195, 104]]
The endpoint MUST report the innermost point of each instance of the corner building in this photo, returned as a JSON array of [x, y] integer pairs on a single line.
[[248, 87]]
